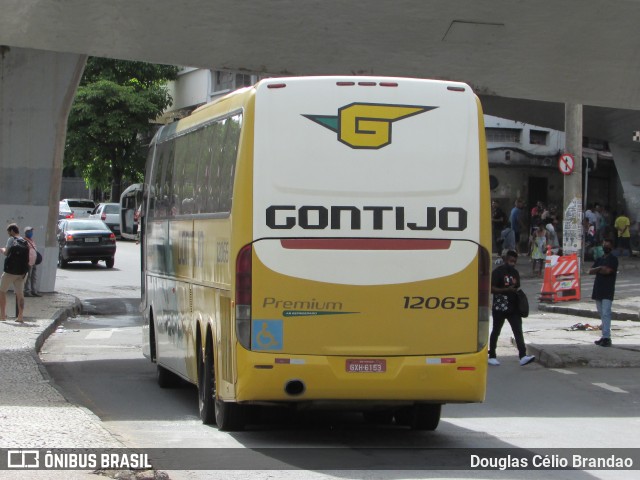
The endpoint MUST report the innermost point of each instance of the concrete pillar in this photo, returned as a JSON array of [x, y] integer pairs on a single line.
[[628, 166], [36, 92], [572, 215]]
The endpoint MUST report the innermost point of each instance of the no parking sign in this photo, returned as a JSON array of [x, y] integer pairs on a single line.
[[566, 163]]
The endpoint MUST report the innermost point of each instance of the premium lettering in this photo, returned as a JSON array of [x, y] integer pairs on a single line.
[[312, 304]]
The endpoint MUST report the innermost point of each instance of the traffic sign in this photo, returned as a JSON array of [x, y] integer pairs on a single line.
[[566, 163]]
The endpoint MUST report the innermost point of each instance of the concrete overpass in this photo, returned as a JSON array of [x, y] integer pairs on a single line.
[[525, 59]]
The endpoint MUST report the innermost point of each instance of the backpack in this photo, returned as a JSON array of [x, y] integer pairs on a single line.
[[17, 261]]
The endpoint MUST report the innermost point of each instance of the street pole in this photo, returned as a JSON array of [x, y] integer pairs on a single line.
[[585, 200], [572, 218]]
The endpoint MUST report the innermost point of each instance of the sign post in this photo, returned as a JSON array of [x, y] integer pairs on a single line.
[[572, 170]]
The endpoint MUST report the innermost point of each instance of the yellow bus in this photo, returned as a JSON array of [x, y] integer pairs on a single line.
[[321, 242]]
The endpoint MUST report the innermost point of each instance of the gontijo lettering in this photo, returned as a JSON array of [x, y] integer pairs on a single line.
[[317, 217]]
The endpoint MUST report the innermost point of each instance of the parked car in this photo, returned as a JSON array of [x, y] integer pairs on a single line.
[[109, 213], [75, 208], [85, 240]]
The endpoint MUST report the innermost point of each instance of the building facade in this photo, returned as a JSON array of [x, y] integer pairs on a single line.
[[523, 163]]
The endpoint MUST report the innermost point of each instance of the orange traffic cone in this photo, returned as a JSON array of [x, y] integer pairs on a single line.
[[547, 292]]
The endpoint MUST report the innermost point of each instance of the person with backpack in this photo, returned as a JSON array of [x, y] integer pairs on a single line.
[[16, 266], [505, 283], [31, 284]]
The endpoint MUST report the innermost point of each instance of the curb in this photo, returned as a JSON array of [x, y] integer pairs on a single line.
[[56, 319], [546, 358], [588, 313]]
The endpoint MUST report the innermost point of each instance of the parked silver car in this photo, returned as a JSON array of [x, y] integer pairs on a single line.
[[109, 213]]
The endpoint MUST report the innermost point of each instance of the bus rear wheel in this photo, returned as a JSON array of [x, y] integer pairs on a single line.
[[206, 387], [425, 416], [230, 416]]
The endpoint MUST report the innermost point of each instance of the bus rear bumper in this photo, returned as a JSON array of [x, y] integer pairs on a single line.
[[320, 379]]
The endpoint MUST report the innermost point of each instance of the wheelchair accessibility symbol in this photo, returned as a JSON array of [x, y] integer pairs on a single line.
[[266, 335]]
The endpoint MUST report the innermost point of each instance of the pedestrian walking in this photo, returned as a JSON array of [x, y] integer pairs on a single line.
[[605, 269], [31, 283], [16, 265], [505, 282]]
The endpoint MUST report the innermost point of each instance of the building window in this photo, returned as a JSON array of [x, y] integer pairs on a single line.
[[224, 81], [503, 135], [243, 80], [538, 137]]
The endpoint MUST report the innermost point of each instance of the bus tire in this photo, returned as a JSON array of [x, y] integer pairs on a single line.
[[426, 416], [230, 416], [206, 386], [166, 378], [403, 416]]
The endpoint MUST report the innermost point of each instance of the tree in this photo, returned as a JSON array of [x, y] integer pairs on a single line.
[[110, 120]]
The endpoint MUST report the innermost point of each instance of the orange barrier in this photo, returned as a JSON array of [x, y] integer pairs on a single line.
[[562, 280], [547, 292]]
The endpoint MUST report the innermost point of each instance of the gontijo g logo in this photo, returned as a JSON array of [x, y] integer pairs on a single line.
[[366, 125]]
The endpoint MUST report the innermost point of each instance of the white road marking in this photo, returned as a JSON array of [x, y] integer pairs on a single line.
[[101, 346], [611, 388], [562, 370], [99, 334]]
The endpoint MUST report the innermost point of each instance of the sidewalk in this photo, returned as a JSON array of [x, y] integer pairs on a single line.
[[33, 414], [548, 330]]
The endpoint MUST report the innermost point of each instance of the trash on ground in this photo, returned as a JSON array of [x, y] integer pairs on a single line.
[[583, 326]]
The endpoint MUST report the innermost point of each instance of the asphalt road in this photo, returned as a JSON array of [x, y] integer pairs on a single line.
[[95, 361]]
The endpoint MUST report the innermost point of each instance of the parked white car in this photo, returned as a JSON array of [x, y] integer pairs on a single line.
[[109, 213], [75, 208]]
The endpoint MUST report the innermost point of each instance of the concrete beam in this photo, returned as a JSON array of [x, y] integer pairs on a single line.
[[36, 92]]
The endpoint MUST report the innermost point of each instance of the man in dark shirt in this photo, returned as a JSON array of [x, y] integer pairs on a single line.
[[498, 219], [516, 220], [605, 269], [505, 282]]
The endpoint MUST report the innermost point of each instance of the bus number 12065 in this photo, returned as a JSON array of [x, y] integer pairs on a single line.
[[446, 303]]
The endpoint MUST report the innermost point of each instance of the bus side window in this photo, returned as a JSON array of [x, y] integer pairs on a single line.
[[227, 167], [213, 186]]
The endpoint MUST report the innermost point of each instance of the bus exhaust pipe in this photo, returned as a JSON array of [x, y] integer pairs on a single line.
[[294, 387]]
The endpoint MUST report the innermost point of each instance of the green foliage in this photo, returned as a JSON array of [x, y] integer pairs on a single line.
[[109, 124]]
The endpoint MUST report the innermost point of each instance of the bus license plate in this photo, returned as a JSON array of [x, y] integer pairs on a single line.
[[366, 365], [91, 240]]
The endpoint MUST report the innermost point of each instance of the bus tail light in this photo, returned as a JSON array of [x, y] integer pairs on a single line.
[[243, 296], [484, 290]]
